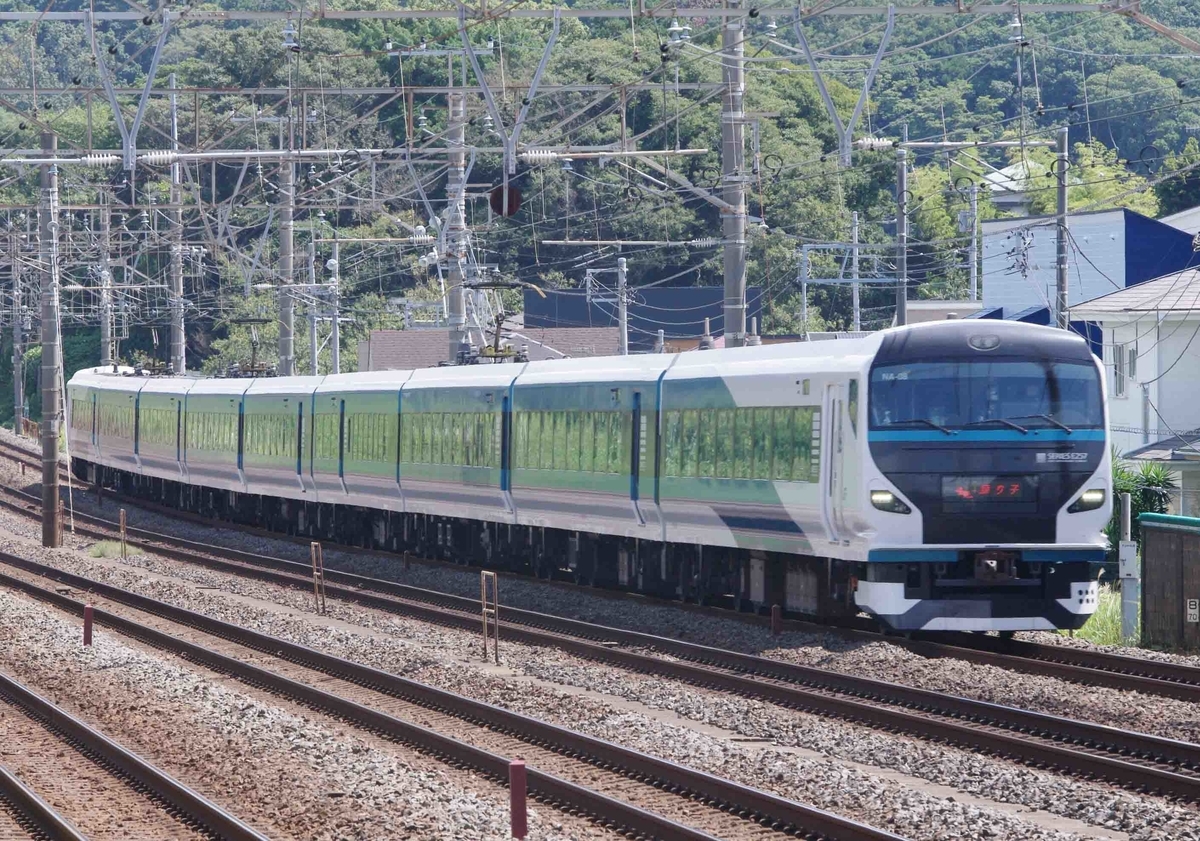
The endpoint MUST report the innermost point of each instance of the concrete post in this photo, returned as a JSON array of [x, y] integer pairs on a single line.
[[1060, 266], [287, 304], [51, 351], [456, 231], [901, 237], [622, 310], [856, 322], [178, 339], [733, 151]]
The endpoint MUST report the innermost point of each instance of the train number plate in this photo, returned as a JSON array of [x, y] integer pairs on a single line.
[[989, 489]]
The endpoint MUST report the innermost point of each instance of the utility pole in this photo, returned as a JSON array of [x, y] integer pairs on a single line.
[[733, 151], [287, 226], [312, 309], [1061, 165], [18, 316], [335, 334], [622, 310], [178, 337], [804, 291], [106, 299], [974, 270], [901, 237], [456, 232], [48, 247], [854, 286]]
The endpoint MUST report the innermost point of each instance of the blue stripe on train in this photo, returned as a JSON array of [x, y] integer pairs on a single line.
[[948, 556], [1034, 436]]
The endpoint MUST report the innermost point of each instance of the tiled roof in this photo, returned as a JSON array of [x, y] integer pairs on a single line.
[[1173, 293], [398, 350], [1185, 447]]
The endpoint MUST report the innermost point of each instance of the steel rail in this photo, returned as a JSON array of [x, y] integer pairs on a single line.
[[1038, 739], [1091, 668], [36, 811], [755, 805], [162, 786]]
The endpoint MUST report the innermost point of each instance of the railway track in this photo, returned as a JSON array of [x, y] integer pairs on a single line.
[[1087, 667], [645, 796], [1136, 761], [25, 815], [85, 770]]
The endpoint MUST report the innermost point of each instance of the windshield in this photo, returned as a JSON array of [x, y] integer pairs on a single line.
[[959, 394]]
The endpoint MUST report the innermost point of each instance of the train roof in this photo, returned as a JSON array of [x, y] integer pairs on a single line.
[[843, 355]]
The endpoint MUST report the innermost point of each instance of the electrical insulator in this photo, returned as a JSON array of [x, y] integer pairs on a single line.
[[539, 156]]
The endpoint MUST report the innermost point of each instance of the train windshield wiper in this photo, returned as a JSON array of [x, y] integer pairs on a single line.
[[924, 421], [1003, 421], [1047, 419]]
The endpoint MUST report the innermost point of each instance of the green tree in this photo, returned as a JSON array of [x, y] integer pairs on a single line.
[[1182, 190], [1149, 486], [1097, 179]]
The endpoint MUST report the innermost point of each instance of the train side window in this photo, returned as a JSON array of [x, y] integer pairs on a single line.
[[706, 459], [587, 441], [688, 443], [785, 443], [852, 406], [520, 442], [762, 443], [723, 443], [619, 424], [740, 433], [670, 443]]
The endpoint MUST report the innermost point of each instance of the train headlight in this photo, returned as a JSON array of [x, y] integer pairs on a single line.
[[888, 501], [1089, 500]]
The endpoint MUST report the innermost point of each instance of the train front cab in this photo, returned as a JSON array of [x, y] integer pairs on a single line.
[[989, 479]]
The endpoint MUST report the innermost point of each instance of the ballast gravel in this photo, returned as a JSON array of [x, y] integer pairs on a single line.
[[286, 773], [831, 771]]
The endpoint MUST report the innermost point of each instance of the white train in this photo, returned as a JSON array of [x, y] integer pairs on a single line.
[[953, 476]]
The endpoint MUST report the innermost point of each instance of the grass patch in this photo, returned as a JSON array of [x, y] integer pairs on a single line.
[[105, 549], [1104, 628]]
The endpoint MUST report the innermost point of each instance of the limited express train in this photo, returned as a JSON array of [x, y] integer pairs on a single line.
[[953, 476]]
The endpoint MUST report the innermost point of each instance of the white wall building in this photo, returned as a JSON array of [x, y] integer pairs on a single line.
[[1107, 250], [1151, 338]]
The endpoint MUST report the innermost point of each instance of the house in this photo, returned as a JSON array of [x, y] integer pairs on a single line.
[[1108, 250], [927, 309], [400, 350], [1151, 338], [1008, 186], [680, 312], [1187, 221]]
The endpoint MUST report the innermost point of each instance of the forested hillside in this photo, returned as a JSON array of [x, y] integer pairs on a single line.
[[1131, 96]]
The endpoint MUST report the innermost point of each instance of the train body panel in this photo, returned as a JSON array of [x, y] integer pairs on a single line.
[[584, 436], [275, 415], [160, 422], [453, 429], [946, 476]]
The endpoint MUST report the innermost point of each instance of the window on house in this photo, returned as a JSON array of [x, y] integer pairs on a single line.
[[1118, 370], [1133, 361]]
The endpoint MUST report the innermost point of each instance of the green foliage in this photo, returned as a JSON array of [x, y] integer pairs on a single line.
[[105, 549], [1182, 191], [1104, 626], [1149, 485], [1097, 180]]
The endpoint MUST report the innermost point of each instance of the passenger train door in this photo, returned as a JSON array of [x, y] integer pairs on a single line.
[[832, 451]]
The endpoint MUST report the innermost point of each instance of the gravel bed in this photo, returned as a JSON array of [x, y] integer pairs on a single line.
[[293, 775], [1049, 638], [880, 660], [834, 779]]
